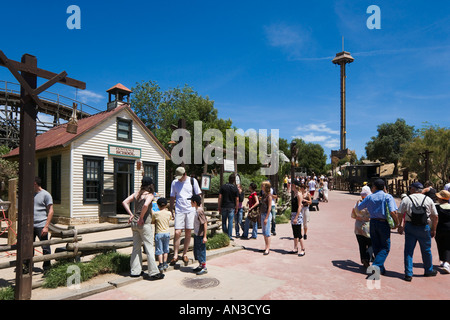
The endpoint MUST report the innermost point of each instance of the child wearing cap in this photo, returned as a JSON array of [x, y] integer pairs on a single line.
[[161, 219], [200, 239]]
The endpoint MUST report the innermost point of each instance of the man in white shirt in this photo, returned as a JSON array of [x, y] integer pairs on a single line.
[[416, 232], [182, 189], [366, 188]]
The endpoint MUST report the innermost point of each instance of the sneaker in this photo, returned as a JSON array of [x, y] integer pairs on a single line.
[[446, 267], [166, 266], [430, 274], [199, 268], [158, 276], [161, 268], [202, 271], [407, 278]]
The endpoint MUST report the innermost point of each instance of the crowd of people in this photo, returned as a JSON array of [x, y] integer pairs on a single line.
[[185, 208], [311, 182], [423, 214]]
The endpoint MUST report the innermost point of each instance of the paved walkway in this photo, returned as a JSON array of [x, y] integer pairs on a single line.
[[330, 270]]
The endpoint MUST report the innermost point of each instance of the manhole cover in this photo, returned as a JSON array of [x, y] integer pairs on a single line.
[[200, 283]]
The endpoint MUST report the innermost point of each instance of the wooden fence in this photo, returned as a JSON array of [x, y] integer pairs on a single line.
[[75, 248], [395, 187]]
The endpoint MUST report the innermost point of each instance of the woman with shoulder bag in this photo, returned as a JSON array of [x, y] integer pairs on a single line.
[[142, 228], [306, 202], [252, 215]]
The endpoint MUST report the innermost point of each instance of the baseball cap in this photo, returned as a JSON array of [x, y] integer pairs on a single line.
[[179, 173], [146, 181], [196, 198], [417, 185]]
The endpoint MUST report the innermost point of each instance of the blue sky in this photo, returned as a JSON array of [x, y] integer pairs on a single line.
[[266, 64]]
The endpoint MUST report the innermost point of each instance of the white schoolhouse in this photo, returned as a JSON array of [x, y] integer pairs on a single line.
[[91, 172]]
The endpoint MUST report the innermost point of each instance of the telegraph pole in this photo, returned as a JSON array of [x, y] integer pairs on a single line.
[[26, 72]]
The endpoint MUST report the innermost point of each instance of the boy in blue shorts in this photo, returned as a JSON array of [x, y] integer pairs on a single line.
[[161, 219]]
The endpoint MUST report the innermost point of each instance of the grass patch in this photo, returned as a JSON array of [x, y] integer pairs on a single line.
[[219, 240], [7, 293], [110, 262]]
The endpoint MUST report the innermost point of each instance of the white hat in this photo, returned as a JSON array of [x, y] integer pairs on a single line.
[[179, 173]]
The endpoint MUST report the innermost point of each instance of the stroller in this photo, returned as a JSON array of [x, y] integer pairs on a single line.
[[321, 194]]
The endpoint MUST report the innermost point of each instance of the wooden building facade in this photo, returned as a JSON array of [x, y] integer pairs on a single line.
[[91, 172]]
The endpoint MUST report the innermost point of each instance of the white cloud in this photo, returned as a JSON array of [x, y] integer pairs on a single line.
[[291, 39], [87, 96], [317, 128], [312, 138], [281, 35], [333, 143]]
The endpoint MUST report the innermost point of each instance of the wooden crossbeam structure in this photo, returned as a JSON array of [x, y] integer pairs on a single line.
[[27, 72]]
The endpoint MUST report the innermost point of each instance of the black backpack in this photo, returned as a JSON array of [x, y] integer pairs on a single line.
[[418, 215]]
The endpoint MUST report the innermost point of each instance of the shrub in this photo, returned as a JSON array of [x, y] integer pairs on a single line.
[[110, 262], [219, 240], [284, 218], [7, 293]]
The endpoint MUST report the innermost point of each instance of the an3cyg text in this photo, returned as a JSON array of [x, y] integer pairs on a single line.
[[238, 309]]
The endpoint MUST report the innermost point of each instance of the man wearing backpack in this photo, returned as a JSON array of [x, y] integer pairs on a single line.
[[181, 190], [416, 213]]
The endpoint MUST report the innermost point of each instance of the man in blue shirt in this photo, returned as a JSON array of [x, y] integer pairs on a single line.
[[380, 232]]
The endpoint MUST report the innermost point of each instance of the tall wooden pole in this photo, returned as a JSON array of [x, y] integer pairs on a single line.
[[29, 100], [25, 250]]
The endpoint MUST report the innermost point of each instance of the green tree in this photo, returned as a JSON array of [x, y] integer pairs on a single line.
[[436, 140], [160, 110], [311, 156], [146, 100], [387, 145]]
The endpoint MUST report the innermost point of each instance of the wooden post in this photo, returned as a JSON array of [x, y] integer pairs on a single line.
[[25, 250], [12, 211], [28, 113]]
